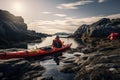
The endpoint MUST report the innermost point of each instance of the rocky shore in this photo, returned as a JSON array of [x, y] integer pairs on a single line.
[[89, 62], [96, 63]]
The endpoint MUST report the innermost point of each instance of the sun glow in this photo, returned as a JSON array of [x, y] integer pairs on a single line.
[[17, 6]]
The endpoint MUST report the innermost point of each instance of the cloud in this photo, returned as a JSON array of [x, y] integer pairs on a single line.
[[46, 12], [60, 15], [68, 25], [101, 1], [74, 4]]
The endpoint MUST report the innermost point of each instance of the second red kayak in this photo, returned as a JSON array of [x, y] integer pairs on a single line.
[[30, 53]]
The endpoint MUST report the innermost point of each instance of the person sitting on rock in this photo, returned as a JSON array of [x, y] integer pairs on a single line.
[[57, 42]]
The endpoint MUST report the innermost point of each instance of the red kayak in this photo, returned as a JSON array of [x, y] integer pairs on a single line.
[[30, 53]]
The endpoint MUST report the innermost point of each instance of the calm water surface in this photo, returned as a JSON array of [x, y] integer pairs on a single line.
[[53, 63]]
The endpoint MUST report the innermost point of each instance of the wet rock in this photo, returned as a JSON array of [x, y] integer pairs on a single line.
[[1, 75], [35, 70], [107, 48], [68, 68], [73, 50], [85, 57], [106, 59], [81, 58], [81, 61], [69, 51], [68, 60], [93, 56], [9, 69], [80, 47], [12, 67], [77, 50], [88, 50], [32, 74], [99, 66], [36, 66], [46, 78], [77, 55], [114, 70], [97, 72], [62, 57]]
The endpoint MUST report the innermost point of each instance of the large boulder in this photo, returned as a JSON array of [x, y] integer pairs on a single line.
[[101, 28], [20, 69], [13, 68]]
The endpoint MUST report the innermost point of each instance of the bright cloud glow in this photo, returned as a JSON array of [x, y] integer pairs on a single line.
[[17, 7], [46, 12], [60, 15], [74, 4], [101, 1], [67, 25]]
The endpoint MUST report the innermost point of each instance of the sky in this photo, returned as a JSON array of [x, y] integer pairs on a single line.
[[51, 16]]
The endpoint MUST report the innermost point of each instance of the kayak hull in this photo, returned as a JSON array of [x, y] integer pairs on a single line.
[[30, 53]]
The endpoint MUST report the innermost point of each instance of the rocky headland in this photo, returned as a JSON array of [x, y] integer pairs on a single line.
[[13, 29]]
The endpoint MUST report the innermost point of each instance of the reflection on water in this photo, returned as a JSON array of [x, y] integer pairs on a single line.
[[52, 66], [52, 62], [56, 57]]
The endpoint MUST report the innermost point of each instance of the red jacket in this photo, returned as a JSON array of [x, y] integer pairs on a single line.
[[57, 42]]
